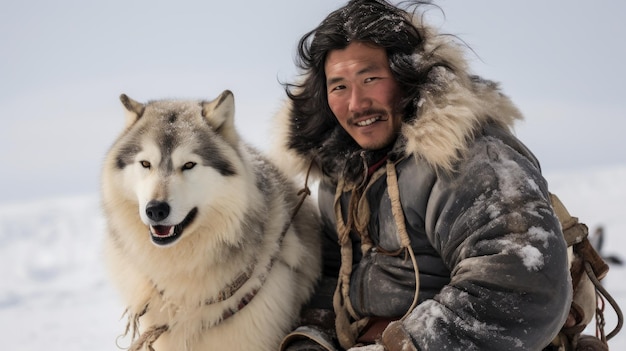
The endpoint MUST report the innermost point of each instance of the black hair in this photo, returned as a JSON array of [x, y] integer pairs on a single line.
[[369, 21]]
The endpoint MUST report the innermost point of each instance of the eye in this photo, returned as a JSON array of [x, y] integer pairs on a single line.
[[145, 164], [189, 165], [339, 87], [335, 88], [370, 79]]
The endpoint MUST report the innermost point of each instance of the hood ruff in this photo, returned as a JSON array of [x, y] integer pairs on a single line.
[[452, 107]]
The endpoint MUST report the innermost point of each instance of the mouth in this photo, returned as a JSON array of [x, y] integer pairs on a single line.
[[369, 121], [163, 235]]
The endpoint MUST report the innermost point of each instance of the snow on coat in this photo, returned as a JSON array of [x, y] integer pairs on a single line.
[[492, 260]]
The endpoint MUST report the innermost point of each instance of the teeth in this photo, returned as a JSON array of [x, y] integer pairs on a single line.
[[368, 122], [162, 231]]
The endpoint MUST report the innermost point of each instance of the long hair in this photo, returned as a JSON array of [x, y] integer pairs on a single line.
[[370, 21]]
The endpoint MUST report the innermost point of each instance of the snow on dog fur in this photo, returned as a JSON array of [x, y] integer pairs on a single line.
[[200, 242]]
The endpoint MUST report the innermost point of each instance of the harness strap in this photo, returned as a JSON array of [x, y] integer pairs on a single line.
[[148, 338], [398, 215], [602, 292], [347, 331], [587, 268]]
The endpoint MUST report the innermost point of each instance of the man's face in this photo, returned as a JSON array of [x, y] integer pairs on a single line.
[[363, 94]]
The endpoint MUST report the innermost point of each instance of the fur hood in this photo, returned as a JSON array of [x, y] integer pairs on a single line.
[[453, 106]]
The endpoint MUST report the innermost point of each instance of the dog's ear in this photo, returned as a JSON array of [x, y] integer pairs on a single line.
[[220, 113], [134, 109]]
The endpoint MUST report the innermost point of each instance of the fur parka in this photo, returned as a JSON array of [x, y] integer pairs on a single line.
[[492, 262]]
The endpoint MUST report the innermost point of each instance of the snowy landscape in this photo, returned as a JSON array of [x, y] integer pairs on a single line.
[[65, 63], [54, 293]]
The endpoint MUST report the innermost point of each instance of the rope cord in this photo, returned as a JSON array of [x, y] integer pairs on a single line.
[[609, 298], [398, 215]]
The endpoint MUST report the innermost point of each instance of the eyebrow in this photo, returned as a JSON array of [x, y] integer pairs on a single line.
[[369, 68]]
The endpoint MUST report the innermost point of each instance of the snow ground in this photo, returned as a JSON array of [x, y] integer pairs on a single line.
[[54, 294]]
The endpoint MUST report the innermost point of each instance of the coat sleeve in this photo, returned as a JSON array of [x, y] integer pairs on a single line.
[[494, 227]]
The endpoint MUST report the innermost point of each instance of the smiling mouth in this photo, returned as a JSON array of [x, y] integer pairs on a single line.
[[367, 122], [370, 121], [163, 235]]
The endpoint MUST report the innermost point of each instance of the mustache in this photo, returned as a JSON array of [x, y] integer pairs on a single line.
[[370, 112]]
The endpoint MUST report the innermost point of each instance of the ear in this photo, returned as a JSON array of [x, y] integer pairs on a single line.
[[134, 109], [220, 113]]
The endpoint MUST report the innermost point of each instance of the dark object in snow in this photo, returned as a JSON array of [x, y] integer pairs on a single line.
[[597, 240]]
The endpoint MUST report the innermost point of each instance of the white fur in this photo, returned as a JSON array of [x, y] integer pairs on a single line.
[[174, 280]]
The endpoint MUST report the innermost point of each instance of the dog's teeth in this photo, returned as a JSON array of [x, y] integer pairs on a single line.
[[162, 230]]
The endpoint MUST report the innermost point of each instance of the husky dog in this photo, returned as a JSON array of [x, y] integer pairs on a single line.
[[205, 240]]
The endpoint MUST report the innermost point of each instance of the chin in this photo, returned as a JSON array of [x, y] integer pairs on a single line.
[[373, 145]]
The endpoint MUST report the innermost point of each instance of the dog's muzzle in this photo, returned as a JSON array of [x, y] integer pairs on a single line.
[[163, 235]]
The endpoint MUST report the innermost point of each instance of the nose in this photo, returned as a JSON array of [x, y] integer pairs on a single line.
[[157, 210], [359, 101]]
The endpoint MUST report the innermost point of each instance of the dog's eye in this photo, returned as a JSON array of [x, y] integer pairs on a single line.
[[145, 164], [188, 166]]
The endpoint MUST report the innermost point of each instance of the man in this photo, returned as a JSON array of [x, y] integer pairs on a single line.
[[439, 232]]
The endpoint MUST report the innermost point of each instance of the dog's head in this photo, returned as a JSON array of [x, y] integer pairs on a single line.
[[175, 160]]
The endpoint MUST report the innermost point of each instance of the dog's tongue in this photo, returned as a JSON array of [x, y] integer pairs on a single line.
[[162, 230]]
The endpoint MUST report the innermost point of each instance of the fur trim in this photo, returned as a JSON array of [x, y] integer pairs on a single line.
[[449, 117], [287, 159]]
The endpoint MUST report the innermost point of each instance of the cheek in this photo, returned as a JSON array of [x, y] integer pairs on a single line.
[[339, 110], [336, 105], [389, 95]]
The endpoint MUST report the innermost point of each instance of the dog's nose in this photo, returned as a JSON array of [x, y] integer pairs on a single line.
[[157, 210]]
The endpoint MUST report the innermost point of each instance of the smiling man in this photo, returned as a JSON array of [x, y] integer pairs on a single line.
[[438, 228], [363, 94]]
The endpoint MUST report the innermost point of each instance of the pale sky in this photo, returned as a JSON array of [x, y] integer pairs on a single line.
[[63, 65]]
